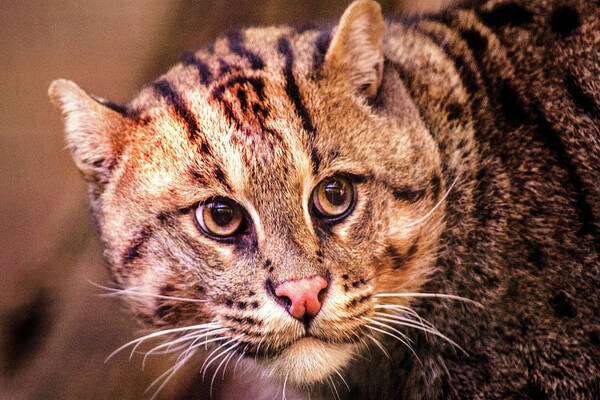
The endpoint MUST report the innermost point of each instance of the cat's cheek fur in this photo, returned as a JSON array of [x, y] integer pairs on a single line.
[[309, 361]]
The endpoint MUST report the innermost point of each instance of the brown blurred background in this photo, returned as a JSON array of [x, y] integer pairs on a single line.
[[54, 330]]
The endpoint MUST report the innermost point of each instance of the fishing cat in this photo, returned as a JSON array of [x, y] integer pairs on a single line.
[[407, 207]]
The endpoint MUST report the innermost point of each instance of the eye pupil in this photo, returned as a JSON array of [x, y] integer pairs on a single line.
[[333, 198], [220, 217], [335, 193], [221, 213]]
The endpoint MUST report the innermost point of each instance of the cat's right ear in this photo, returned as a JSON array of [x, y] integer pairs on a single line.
[[91, 129], [355, 54]]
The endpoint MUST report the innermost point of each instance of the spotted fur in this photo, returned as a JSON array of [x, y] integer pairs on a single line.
[[472, 140]]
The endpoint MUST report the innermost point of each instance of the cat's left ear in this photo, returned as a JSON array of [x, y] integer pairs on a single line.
[[94, 129], [356, 50]]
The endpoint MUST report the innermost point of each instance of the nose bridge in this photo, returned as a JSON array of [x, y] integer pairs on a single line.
[[289, 260]]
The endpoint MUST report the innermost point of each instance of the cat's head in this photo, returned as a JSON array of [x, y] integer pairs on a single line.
[[266, 192]]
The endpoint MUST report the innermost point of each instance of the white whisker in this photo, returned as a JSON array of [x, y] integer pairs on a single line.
[[239, 359], [395, 337], [170, 372], [133, 291], [212, 381], [283, 397], [424, 217], [432, 295], [337, 395], [193, 338], [425, 329], [207, 364], [378, 344], [138, 341], [342, 378]]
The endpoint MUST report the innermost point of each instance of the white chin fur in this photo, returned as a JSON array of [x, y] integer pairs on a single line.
[[309, 360]]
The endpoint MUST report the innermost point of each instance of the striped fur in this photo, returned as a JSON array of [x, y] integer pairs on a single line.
[[472, 140]]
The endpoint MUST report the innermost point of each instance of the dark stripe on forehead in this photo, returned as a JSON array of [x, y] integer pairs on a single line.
[[163, 88], [257, 84], [226, 68], [321, 46], [188, 58], [236, 45], [291, 88]]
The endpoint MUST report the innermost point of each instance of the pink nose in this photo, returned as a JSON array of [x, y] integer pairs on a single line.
[[303, 295]]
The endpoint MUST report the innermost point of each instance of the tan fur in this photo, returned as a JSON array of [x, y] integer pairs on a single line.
[[262, 117]]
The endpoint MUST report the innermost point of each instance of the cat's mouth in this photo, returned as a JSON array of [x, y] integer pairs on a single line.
[[309, 359]]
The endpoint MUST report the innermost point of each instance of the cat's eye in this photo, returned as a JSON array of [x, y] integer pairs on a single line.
[[220, 217], [333, 198]]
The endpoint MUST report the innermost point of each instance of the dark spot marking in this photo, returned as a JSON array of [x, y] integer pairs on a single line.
[[229, 303], [355, 284], [316, 160], [251, 293], [236, 45], [399, 260], [164, 217], [580, 98], [199, 288], [271, 269], [435, 185], [362, 281], [511, 105], [364, 298], [475, 41], [241, 96], [25, 330], [254, 304], [346, 287], [454, 111], [564, 20], [510, 14], [163, 310], [408, 194], [291, 88], [562, 306], [319, 253], [165, 290], [241, 305], [188, 58], [205, 149], [164, 89], [533, 390], [134, 250], [345, 276], [267, 264]]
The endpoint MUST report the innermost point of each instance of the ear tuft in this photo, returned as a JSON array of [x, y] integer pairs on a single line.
[[90, 129], [356, 50]]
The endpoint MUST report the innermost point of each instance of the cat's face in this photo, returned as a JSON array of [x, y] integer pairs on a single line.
[[283, 195]]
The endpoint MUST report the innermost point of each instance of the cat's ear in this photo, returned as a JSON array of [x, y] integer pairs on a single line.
[[91, 129], [356, 49]]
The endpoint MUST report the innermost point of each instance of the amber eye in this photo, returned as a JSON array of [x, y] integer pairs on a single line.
[[333, 197], [219, 217]]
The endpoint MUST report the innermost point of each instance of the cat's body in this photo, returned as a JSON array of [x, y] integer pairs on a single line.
[[472, 147]]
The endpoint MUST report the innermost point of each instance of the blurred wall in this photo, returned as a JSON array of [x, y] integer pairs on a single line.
[[54, 330]]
